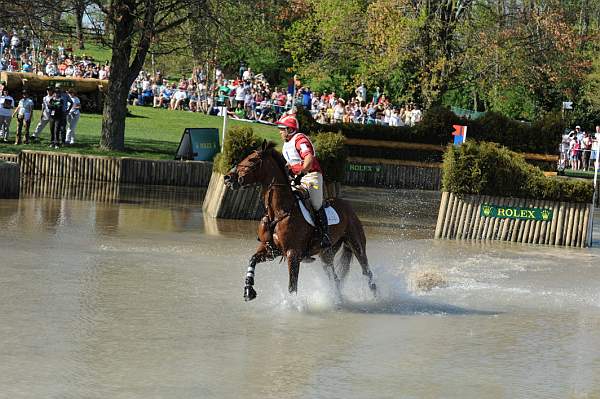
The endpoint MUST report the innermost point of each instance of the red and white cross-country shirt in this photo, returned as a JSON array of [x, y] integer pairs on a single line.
[[296, 149]]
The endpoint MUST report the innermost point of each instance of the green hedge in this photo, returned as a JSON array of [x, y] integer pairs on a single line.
[[490, 169], [542, 136], [332, 155], [239, 143]]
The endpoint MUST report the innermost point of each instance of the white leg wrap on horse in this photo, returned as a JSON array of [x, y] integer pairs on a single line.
[[250, 272]]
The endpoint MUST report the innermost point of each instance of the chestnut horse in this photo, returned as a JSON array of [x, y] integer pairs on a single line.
[[283, 231]]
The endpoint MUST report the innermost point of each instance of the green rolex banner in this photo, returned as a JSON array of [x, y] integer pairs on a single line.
[[512, 212]]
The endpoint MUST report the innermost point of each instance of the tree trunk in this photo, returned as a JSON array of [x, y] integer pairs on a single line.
[[115, 101], [79, 11]]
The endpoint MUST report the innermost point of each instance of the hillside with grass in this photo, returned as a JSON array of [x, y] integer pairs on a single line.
[[149, 133]]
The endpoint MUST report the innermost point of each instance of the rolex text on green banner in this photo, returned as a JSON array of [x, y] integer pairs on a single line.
[[512, 212]]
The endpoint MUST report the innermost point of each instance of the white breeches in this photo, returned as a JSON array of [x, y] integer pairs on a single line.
[[313, 182]]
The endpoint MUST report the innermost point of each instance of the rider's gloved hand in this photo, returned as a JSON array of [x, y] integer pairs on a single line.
[[297, 178]]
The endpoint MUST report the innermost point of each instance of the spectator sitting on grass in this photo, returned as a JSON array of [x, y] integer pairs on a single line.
[[178, 99], [165, 96], [238, 113]]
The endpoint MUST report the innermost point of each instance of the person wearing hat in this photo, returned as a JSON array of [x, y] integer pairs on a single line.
[[301, 158], [45, 117], [7, 103], [23, 112]]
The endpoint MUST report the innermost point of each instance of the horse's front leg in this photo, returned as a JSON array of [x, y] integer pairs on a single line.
[[293, 259], [258, 257]]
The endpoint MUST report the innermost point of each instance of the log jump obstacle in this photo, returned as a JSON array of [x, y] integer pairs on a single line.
[[111, 169], [482, 217]]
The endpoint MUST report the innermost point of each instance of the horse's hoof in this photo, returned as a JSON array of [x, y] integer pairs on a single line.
[[373, 288], [249, 293]]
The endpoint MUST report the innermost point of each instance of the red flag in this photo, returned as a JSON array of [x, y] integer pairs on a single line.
[[460, 134]]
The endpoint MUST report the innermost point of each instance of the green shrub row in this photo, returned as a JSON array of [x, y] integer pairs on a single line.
[[241, 141], [542, 136], [490, 169], [332, 154]]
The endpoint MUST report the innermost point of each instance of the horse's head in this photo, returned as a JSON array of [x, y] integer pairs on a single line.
[[252, 170]]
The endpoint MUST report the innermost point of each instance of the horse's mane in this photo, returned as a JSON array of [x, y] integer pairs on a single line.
[[279, 159]]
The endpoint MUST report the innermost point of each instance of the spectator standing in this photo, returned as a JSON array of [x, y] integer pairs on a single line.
[[574, 148], [5, 42], [56, 106], [578, 133], [24, 113], [73, 114], [376, 95], [361, 93], [240, 95], [15, 42], [66, 101], [416, 116], [247, 75], [338, 112], [45, 118], [6, 106], [306, 98]]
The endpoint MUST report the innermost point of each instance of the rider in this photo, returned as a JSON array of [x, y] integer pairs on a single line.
[[302, 160]]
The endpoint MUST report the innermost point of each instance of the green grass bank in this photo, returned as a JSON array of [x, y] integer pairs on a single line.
[[149, 133]]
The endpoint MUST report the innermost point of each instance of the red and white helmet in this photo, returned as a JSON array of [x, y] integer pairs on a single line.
[[289, 121]]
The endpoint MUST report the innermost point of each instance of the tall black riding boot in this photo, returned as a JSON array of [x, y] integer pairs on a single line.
[[323, 228]]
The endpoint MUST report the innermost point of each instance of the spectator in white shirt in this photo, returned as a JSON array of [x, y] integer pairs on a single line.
[[73, 115], [23, 112], [7, 103], [45, 118]]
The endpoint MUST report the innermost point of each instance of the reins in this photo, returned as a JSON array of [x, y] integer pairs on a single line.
[[268, 206]]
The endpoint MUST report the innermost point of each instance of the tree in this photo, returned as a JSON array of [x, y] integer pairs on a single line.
[[327, 43], [79, 7], [134, 26]]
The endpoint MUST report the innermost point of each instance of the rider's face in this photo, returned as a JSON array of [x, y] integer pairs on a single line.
[[283, 132]]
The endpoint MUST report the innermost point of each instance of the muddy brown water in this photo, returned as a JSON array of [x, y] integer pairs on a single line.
[[136, 295]]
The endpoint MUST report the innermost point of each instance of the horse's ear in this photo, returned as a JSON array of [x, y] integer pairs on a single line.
[[264, 145]]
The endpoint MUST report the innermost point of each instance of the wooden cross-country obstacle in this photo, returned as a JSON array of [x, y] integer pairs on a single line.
[[482, 217]]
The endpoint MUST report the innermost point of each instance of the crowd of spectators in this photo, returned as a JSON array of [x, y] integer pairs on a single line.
[[248, 97], [579, 149], [23, 51], [251, 97], [329, 108]]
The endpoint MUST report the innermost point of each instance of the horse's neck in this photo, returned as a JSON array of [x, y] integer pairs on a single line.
[[278, 200], [277, 194]]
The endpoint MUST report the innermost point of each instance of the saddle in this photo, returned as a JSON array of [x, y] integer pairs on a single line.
[[302, 195]]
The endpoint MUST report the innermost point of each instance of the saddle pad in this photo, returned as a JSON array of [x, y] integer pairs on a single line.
[[332, 216]]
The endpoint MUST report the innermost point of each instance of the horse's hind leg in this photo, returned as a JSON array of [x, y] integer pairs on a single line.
[[361, 255], [344, 263], [327, 257]]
